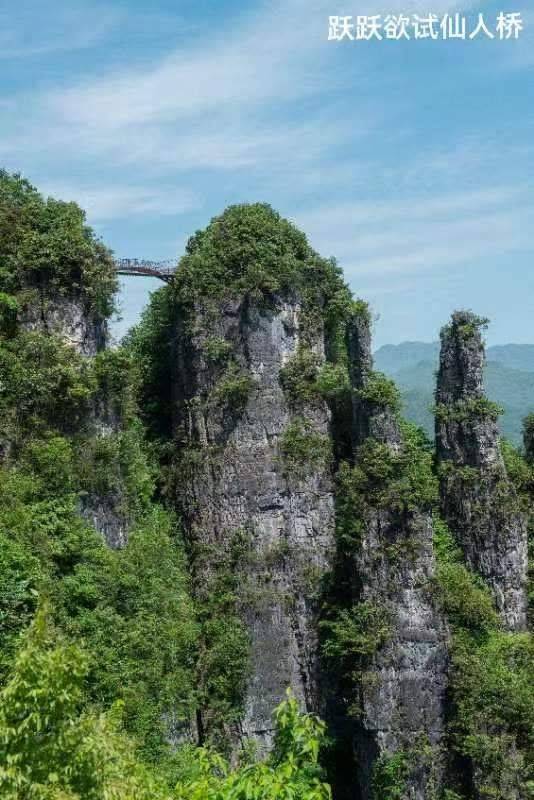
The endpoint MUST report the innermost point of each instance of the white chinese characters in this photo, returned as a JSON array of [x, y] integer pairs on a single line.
[[505, 26]]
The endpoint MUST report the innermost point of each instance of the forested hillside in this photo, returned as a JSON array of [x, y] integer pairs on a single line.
[[229, 568]]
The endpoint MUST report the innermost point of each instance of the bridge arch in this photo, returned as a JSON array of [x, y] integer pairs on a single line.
[[164, 270]]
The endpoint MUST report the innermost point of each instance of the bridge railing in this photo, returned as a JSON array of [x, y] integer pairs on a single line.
[[141, 266]]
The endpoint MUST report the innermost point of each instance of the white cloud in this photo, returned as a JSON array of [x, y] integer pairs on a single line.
[[202, 101], [224, 102], [36, 29], [419, 234], [104, 203]]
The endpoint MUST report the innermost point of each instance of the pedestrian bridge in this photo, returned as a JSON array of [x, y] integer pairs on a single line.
[[164, 270]]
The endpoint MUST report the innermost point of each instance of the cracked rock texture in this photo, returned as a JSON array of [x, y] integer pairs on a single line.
[[477, 499], [65, 317], [240, 483], [403, 692]]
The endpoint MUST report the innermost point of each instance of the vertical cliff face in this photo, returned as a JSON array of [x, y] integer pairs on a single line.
[[66, 317], [400, 724], [83, 329], [477, 499], [254, 460], [244, 486]]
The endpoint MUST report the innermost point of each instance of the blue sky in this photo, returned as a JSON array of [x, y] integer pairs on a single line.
[[412, 162]]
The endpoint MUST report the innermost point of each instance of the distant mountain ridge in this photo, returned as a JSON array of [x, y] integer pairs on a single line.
[[509, 378]]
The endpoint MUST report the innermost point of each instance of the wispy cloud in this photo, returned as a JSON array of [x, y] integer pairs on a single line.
[[184, 101], [37, 29], [420, 234], [224, 101], [103, 203]]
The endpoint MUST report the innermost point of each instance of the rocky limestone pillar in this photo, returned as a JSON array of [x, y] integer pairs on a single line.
[[477, 499], [235, 427], [401, 693]]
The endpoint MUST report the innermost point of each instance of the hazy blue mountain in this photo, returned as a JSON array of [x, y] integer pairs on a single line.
[[509, 380], [516, 356], [391, 358]]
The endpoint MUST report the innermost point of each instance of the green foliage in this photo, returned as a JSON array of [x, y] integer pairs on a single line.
[[150, 344], [360, 309], [518, 469], [299, 375], [466, 324], [45, 385], [20, 575], [117, 381], [302, 449], [465, 598], [224, 646], [233, 387], [304, 380], [51, 749], [350, 637], [466, 410], [132, 608], [216, 349], [490, 679], [291, 772], [383, 478], [355, 633], [332, 381], [116, 465], [8, 314], [390, 775], [54, 748], [47, 243], [380, 391], [250, 249]]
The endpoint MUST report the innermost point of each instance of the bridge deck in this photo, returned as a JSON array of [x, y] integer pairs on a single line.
[[164, 270]]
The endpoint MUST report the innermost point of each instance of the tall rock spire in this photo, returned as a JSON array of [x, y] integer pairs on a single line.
[[398, 697], [254, 456], [477, 499]]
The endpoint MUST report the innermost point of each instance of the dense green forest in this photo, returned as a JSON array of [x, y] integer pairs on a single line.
[[107, 653]]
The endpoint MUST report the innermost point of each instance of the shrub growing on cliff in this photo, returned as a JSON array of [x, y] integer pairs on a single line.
[[251, 250], [466, 324], [380, 391], [47, 243], [304, 379], [298, 376], [302, 449], [490, 678], [8, 314], [233, 387], [45, 385], [466, 410]]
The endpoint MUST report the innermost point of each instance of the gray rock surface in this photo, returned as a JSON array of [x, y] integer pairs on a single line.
[[402, 695], [65, 317], [241, 483], [477, 498]]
